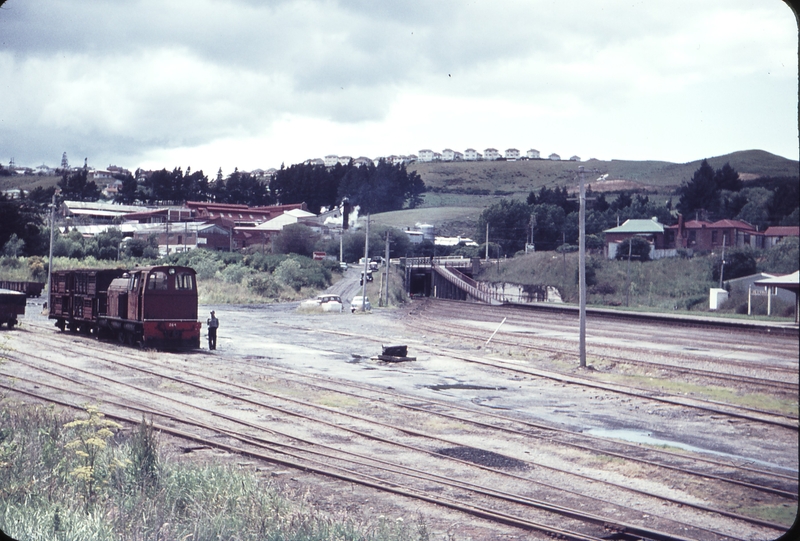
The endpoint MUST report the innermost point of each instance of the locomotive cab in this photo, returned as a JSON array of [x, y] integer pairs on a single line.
[[165, 301]]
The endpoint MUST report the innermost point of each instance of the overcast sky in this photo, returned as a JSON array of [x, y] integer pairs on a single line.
[[253, 84]]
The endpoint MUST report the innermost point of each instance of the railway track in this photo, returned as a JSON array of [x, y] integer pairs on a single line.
[[215, 387], [713, 407], [515, 340], [786, 379], [552, 329]]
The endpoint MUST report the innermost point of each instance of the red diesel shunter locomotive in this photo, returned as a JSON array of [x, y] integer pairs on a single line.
[[148, 306]]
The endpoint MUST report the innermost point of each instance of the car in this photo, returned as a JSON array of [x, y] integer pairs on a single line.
[[325, 303], [343, 265], [357, 303]]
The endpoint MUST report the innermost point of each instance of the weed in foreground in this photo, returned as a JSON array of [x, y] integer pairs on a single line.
[[71, 480]]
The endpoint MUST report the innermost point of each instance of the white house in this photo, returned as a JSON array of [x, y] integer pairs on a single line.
[[470, 155], [331, 160], [491, 154], [554, 157], [425, 155], [344, 160], [448, 155], [575, 158], [533, 154], [512, 154]]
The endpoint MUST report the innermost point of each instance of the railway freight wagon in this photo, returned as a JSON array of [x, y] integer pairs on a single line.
[[149, 306], [12, 304], [78, 297], [31, 289]]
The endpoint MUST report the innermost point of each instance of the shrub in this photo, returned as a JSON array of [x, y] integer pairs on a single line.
[[295, 239], [234, 274], [290, 274], [783, 257], [264, 262], [265, 286], [10, 262], [738, 262], [36, 267], [639, 249]]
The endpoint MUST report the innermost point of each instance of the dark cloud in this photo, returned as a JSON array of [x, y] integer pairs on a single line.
[[130, 77]]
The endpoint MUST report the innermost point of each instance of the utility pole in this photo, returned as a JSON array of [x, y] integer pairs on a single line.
[[722, 264], [386, 263], [628, 272], [52, 227], [487, 242], [167, 231], [366, 268], [582, 271]]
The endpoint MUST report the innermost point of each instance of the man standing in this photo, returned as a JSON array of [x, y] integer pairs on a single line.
[[213, 323]]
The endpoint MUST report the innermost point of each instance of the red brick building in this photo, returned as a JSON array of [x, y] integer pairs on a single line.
[[708, 236]]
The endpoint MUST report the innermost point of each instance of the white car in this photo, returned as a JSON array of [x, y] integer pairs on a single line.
[[358, 301], [325, 303]]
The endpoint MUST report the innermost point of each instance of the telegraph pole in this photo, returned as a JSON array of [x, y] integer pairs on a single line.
[[366, 268], [166, 231], [582, 270], [52, 227], [386, 263], [487, 242]]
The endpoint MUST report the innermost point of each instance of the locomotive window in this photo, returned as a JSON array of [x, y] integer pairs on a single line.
[[183, 280], [157, 280]]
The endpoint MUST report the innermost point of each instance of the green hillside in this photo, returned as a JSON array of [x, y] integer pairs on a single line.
[[459, 191], [469, 183]]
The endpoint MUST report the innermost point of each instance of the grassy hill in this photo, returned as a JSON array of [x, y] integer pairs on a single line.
[[459, 191], [518, 178], [27, 182]]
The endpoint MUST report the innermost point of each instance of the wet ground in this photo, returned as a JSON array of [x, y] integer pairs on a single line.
[[323, 344], [345, 345]]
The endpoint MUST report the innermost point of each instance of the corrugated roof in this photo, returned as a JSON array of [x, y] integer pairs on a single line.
[[790, 281], [638, 226], [783, 231]]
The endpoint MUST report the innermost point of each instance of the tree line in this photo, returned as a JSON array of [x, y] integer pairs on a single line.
[[376, 188], [549, 219]]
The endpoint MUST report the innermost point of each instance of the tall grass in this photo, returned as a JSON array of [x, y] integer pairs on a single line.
[[152, 496]]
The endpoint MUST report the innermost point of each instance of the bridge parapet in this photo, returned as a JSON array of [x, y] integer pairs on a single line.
[[444, 261]]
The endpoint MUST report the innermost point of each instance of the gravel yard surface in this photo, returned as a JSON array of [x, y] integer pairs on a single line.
[[303, 355]]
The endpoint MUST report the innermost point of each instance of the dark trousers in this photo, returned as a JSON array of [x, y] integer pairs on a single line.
[[212, 338]]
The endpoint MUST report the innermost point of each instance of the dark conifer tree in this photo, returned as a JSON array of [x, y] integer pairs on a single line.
[[700, 193]]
